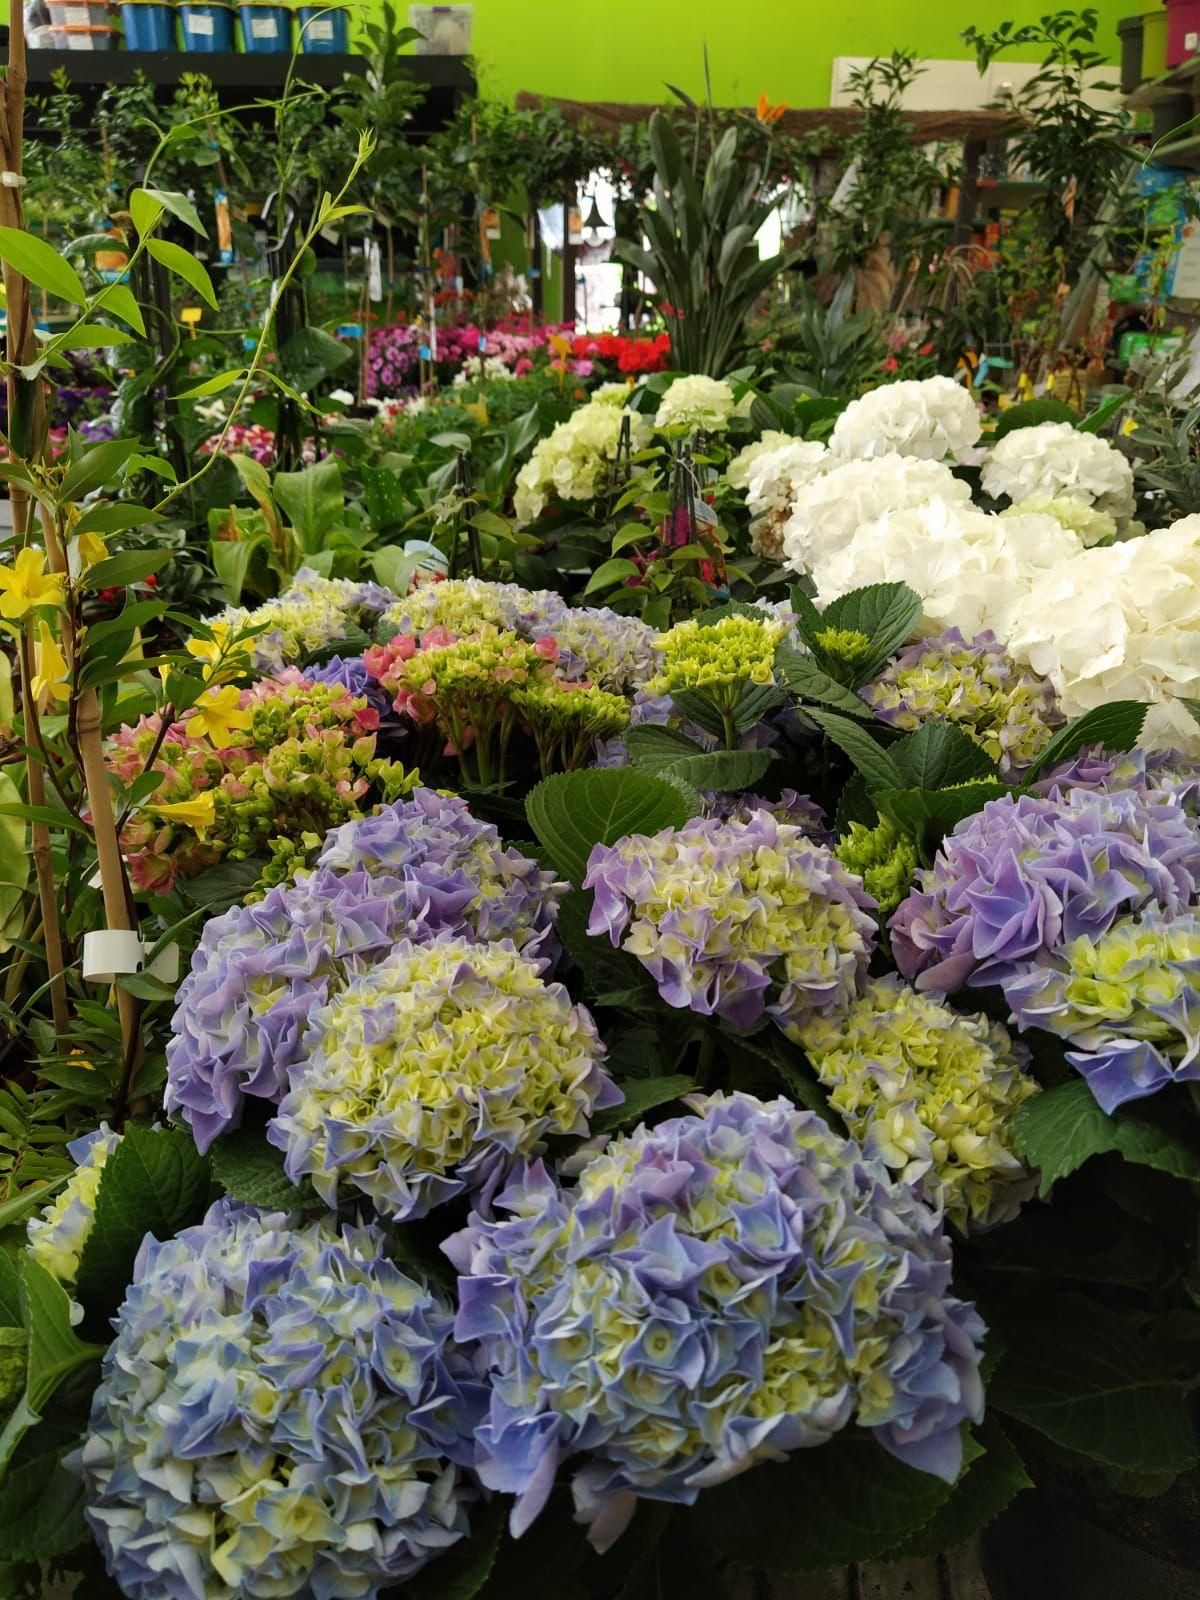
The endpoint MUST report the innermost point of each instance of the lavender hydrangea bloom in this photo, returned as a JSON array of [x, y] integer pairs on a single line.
[[723, 1288], [352, 674], [1149, 772], [734, 919], [1027, 874], [282, 1413], [797, 809], [418, 868]]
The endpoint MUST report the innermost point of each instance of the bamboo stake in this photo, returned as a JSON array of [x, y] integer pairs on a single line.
[[43, 863]]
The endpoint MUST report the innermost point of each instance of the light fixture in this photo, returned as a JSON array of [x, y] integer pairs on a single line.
[[593, 222]]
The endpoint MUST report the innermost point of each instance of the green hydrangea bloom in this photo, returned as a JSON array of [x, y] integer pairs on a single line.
[[883, 857], [847, 645], [933, 1093], [724, 655]]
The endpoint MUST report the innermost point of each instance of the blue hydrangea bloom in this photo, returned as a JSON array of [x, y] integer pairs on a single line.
[[721, 1289], [282, 1413]]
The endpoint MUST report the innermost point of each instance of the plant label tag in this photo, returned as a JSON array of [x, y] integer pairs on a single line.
[[264, 28], [201, 26], [320, 28]]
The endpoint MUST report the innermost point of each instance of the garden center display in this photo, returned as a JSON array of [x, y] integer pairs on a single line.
[[599, 929]]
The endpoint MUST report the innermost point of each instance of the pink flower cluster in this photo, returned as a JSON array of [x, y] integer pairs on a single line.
[[255, 441]]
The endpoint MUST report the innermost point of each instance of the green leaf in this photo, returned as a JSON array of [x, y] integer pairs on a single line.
[[41, 263], [53, 1350], [631, 533], [41, 1503], [1116, 726], [939, 755], [858, 1503], [179, 206], [1029, 413], [1061, 1128], [250, 1169], [19, 1207], [14, 852], [93, 336], [218, 385], [1104, 413], [231, 559], [886, 612], [311, 500], [95, 468], [126, 567], [153, 1182], [115, 518], [717, 769], [604, 968], [612, 572], [184, 265], [573, 811], [928, 815], [10, 1284], [1078, 1373], [992, 1478], [809, 682], [118, 299], [145, 211], [650, 741], [310, 356], [869, 757], [642, 1095]]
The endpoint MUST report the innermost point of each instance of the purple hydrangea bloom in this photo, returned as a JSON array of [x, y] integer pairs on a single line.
[[1149, 772], [282, 1412], [1026, 874], [726, 1287], [734, 919], [797, 809], [418, 868]]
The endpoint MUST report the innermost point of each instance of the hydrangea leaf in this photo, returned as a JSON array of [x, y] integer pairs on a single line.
[[886, 613], [808, 681], [250, 1169], [605, 970], [992, 1478], [1063, 1127], [461, 1571], [871, 759], [1116, 726], [939, 755], [651, 743], [927, 815], [572, 811], [858, 1503], [714, 769], [41, 1503], [642, 1095], [155, 1181], [1080, 1374], [1031, 414]]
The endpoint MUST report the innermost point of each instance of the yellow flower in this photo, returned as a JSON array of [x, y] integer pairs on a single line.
[[27, 584], [217, 716], [198, 813], [220, 650], [50, 670], [92, 548]]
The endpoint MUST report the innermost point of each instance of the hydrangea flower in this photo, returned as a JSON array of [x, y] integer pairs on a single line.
[[737, 473], [566, 718], [420, 867], [721, 1289], [849, 495], [736, 918], [883, 857], [696, 402], [282, 1412], [1055, 459], [428, 1074], [774, 485], [1127, 999], [973, 571], [58, 1233], [796, 809], [1150, 772], [723, 655], [312, 614], [1072, 512], [1025, 875], [459, 605], [614, 652], [932, 1093], [930, 419], [1009, 711], [574, 461]]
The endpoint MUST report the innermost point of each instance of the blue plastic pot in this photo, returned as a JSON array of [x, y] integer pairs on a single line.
[[266, 29], [207, 28], [148, 27], [324, 32]]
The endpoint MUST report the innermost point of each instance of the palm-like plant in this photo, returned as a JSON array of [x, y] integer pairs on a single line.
[[703, 259]]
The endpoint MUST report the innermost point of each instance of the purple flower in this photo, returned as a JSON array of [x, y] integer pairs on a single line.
[[1027, 874]]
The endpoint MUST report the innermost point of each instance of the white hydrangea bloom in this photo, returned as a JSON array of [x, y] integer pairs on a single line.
[[696, 402], [610, 394], [572, 462], [1122, 622], [834, 505], [776, 480], [973, 571], [1092, 526], [932, 418], [480, 369], [1054, 460], [737, 473]]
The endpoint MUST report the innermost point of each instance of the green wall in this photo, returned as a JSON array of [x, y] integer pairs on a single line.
[[625, 49]]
